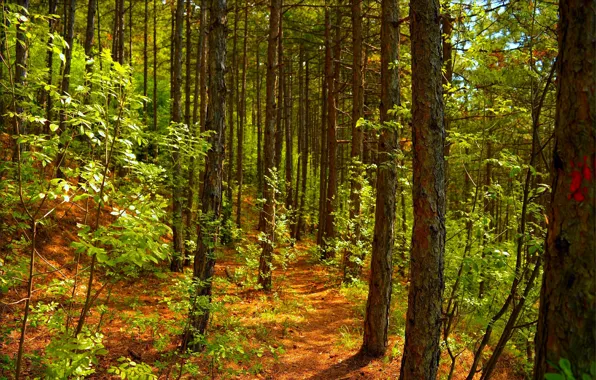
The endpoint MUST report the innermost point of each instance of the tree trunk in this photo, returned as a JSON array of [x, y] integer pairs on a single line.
[[279, 138], [177, 225], [242, 119], [376, 320], [269, 148], [192, 187], [259, 127], [423, 320], [231, 104], [207, 230], [154, 99], [288, 136], [567, 301], [322, 146], [351, 268], [332, 75]]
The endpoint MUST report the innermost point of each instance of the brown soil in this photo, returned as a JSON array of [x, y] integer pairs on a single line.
[[313, 321]]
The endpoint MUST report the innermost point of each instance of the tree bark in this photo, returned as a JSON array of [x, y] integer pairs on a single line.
[[423, 320], [242, 119], [177, 225], [378, 303], [207, 230], [332, 75], [288, 135], [231, 104], [269, 148], [567, 301], [351, 269]]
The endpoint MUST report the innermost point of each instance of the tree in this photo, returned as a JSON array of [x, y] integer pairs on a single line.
[[177, 226], [350, 267], [567, 300], [211, 196], [242, 119], [423, 320], [332, 67], [376, 320], [268, 211]]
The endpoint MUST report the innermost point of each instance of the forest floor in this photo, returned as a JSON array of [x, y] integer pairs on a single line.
[[308, 327]]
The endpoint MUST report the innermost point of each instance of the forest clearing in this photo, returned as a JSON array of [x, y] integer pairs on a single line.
[[291, 189]]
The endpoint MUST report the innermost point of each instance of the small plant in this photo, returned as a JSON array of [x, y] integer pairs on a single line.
[[129, 369]]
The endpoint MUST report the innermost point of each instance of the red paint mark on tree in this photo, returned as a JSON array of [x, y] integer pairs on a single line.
[[576, 180], [583, 172]]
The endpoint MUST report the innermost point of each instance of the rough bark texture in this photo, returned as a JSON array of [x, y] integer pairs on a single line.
[[423, 320], [268, 211], [379, 294], [567, 318], [207, 231]]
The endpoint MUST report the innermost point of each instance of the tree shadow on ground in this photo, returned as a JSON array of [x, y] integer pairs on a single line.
[[345, 368]]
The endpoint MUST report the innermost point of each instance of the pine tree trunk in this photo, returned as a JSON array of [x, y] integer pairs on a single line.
[[177, 224], [423, 320], [242, 119], [376, 320], [332, 74], [211, 202], [323, 156], [288, 135], [231, 118], [279, 135], [259, 128], [351, 269], [269, 147], [567, 300]]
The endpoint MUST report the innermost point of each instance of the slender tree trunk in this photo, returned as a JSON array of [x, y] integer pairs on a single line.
[[177, 225], [259, 128], [69, 39], [351, 268], [89, 32], [211, 202], [279, 138], [332, 74], [423, 320], [231, 104], [50, 59], [322, 146], [567, 301], [154, 99], [376, 320], [242, 119], [294, 203], [203, 80], [121, 27], [145, 56], [21, 62], [288, 135], [269, 148], [192, 187]]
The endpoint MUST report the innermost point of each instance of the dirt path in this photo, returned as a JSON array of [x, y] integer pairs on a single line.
[[314, 348]]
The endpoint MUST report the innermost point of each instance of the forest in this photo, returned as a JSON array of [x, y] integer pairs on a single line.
[[298, 189]]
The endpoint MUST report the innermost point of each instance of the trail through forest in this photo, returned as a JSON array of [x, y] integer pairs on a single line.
[[313, 322]]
